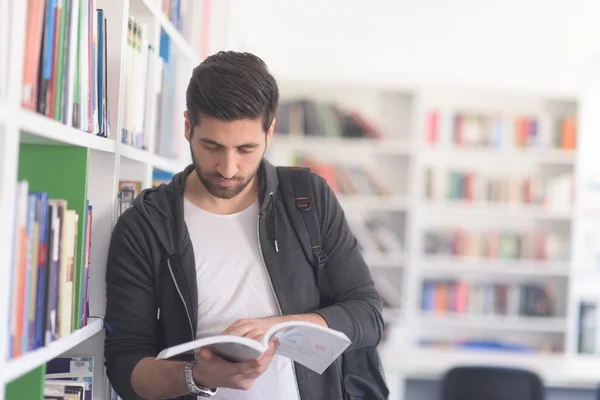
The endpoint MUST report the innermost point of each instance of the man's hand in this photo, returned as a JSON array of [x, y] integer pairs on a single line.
[[213, 371], [257, 327], [252, 328]]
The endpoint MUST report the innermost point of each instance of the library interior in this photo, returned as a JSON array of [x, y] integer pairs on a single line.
[[469, 123]]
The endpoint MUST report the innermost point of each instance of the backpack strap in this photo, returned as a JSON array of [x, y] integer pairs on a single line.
[[296, 187]]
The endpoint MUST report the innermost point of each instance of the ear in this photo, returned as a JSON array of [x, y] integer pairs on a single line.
[[271, 131], [188, 126]]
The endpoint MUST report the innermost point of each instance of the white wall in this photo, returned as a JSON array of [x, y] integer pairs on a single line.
[[539, 45]]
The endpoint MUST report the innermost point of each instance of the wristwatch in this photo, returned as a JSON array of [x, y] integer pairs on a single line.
[[193, 388]]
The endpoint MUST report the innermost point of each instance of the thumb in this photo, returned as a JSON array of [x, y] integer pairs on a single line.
[[274, 345], [205, 353]]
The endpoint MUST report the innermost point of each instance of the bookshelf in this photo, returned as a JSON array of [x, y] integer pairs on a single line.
[[361, 141], [56, 153], [471, 212], [496, 184], [583, 339]]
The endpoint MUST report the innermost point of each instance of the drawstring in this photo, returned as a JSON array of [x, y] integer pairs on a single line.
[[274, 222]]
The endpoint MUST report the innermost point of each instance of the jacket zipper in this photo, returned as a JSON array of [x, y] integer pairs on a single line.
[[187, 312], [274, 294], [265, 266]]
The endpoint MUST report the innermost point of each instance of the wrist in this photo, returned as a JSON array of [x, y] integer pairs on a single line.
[[200, 380], [193, 384], [197, 378]]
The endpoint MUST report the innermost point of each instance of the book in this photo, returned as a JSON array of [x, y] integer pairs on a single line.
[[309, 344]]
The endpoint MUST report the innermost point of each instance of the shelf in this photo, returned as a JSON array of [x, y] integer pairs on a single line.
[[165, 164], [312, 143], [18, 367], [134, 154], [155, 161], [374, 203], [498, 210], [150, 8], [537, 156], [39, 129], [392, 260], [450, 265], [432, 363], [495, 322]]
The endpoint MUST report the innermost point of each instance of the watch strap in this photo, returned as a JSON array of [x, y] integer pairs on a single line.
[[191, 384]]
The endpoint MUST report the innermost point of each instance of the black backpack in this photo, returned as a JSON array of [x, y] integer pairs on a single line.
[[363, 376]]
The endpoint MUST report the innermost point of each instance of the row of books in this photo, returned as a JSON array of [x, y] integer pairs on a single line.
[[128, 191], [375, 235], [69, 378], [169, 100], [49, 295], [495, 344], [189, 17], [64, 66], [150, 83], [345, 179], [160, 177], [305, 117], [459, 297], [554, 191], [497, 130], [497, 245], [139, 76]]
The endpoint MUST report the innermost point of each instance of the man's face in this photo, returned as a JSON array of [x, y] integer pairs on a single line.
[[227, 155]]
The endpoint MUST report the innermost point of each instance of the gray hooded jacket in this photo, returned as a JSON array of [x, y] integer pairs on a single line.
[[152, 289]]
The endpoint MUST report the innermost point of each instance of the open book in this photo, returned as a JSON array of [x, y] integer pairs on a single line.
[[311, 345]]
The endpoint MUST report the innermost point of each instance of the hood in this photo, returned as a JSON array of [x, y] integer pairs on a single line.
[[162, 207]]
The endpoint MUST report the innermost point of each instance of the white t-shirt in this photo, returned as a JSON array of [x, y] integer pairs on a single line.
[[233, 283]]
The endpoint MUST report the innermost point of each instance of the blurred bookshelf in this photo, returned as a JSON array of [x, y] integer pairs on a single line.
[[472, 193], [341, 134]]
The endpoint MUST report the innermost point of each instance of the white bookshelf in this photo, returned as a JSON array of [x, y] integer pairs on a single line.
[[390, 159], [109, 161], [400, 160], [22, 365], [477, 215]]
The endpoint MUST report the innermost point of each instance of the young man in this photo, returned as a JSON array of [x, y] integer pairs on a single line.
[[215, 252]]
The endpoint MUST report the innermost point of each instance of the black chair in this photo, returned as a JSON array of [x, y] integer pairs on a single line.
[[491, 383]]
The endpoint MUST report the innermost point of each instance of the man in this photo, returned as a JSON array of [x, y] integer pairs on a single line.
[[215, 252]]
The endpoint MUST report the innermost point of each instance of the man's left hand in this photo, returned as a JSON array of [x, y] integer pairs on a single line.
[[255, 328]]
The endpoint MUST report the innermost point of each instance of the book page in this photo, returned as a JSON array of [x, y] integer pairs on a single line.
[[315, 348], [233, 347], [237, 352]]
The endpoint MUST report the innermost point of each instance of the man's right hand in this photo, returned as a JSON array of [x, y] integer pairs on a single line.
[[212, 371]]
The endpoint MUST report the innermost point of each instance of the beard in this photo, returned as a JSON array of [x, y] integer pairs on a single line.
[[211, 182]]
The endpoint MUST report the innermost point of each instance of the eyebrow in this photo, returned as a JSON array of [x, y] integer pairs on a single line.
[[209, 141]]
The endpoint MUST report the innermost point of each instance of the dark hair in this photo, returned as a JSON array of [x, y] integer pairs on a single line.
[[231, 85]]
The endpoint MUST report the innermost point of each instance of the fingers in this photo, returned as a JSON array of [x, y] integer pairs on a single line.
[[205, 353], [239, 328], [273, 347], [255, 333], [255, 368], [264, 360]]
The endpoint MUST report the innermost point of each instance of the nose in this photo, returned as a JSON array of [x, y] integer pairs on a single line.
[[228, 165]]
